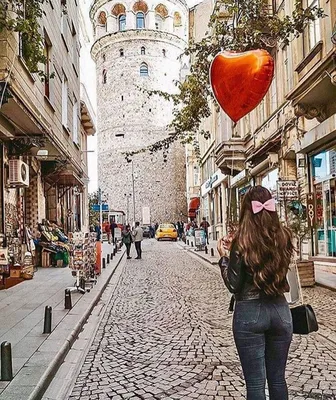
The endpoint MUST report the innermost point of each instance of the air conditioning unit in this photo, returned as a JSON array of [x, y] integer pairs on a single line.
[[18, 173]]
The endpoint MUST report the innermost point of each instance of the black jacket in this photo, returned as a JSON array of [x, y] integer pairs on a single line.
[[237, 277]]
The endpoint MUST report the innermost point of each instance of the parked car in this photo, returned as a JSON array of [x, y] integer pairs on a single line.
[[166, 231], [146, 231]]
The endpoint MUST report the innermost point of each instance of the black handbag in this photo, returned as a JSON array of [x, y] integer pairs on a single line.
[[304, 319]]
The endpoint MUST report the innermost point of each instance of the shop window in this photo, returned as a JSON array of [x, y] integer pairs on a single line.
[[143, 69], [122, 23], [140, 20]]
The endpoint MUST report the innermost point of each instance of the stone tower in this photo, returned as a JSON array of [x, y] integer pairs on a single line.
[[137, 46]]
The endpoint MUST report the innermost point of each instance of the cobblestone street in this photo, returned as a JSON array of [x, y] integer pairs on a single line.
[[167, 335]]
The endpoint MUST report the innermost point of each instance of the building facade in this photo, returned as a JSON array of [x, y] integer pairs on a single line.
[[137, 48], [43, 132], [287, 143]]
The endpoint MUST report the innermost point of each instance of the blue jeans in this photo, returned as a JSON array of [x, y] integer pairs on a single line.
[[263, 332]]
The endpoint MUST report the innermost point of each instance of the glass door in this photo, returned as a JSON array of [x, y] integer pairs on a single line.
[[326, 218]]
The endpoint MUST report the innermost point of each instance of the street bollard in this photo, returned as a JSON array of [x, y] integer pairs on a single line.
[[6, 362], [67, 300], [206, 249], [115, 250], [212, 252], [192, 244], [82, 283], [47, 319], [112, 255], [188, 242], [104, 263], [108, 259]]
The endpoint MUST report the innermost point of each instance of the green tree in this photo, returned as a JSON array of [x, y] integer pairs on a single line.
[[237, 25], [93, 215], [23, 16]]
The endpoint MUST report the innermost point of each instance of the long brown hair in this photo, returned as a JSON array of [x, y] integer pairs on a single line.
[[265, 244]]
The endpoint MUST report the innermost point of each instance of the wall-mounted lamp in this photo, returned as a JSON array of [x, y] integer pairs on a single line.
[[42, 154], [302, 163]]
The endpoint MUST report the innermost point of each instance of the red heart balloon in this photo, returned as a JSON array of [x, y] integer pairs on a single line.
[[240, 80]]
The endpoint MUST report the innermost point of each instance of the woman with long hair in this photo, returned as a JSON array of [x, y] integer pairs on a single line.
[[254, 269]]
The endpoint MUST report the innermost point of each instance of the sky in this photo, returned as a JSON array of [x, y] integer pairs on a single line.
[[90, 84]]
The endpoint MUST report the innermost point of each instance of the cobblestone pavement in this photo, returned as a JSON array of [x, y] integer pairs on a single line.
[[167, 335]]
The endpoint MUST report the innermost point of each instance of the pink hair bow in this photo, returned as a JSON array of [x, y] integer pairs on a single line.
[[269, 205]]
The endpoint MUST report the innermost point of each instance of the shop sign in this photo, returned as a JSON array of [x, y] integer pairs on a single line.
[[214, 180], [288, 190], [211, 181], [96, 207], [311, 210], [238, 178]]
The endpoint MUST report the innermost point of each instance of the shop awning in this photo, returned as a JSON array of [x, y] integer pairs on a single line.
[[193, 207], [67, 178]]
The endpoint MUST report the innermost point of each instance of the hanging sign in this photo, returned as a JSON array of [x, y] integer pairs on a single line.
[[288, 190], [311, 210]]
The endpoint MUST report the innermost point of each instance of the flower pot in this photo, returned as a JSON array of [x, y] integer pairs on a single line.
[[306, 272]]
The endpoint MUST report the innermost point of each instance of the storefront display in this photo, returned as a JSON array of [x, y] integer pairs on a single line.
[[83, 258], [52, 246], [323, 172]]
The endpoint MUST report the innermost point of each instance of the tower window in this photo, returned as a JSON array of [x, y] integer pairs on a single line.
[[104, 76], [121, 52], [122, 98], [104, 57], [140, 20], [164, 52], [158, 22], [122, 22], [143, 69], [143, 50]]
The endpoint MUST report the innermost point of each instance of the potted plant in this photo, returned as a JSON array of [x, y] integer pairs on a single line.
[[296, 218]]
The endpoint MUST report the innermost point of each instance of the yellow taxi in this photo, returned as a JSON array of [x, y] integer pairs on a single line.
[[166, 231]]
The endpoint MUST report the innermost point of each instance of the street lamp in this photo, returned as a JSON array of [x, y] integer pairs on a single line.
[[133, 189], [128, 196]]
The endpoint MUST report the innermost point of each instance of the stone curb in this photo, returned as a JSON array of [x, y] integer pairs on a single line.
[[53, 367], [198, 254]]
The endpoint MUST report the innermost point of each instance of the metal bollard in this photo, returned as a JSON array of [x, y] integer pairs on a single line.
[[108, 259], [104, 263], [6, 362], [67, 300], [115, 250], [112, 256], [206, 249], [192, 244], [47, 319], [212, 252], [188, 242]]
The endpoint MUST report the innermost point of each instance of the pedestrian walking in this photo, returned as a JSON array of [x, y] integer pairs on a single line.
[[205, 226], [112, 228], [254, 269], [108, 232], [127, 240], [138, 237]]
